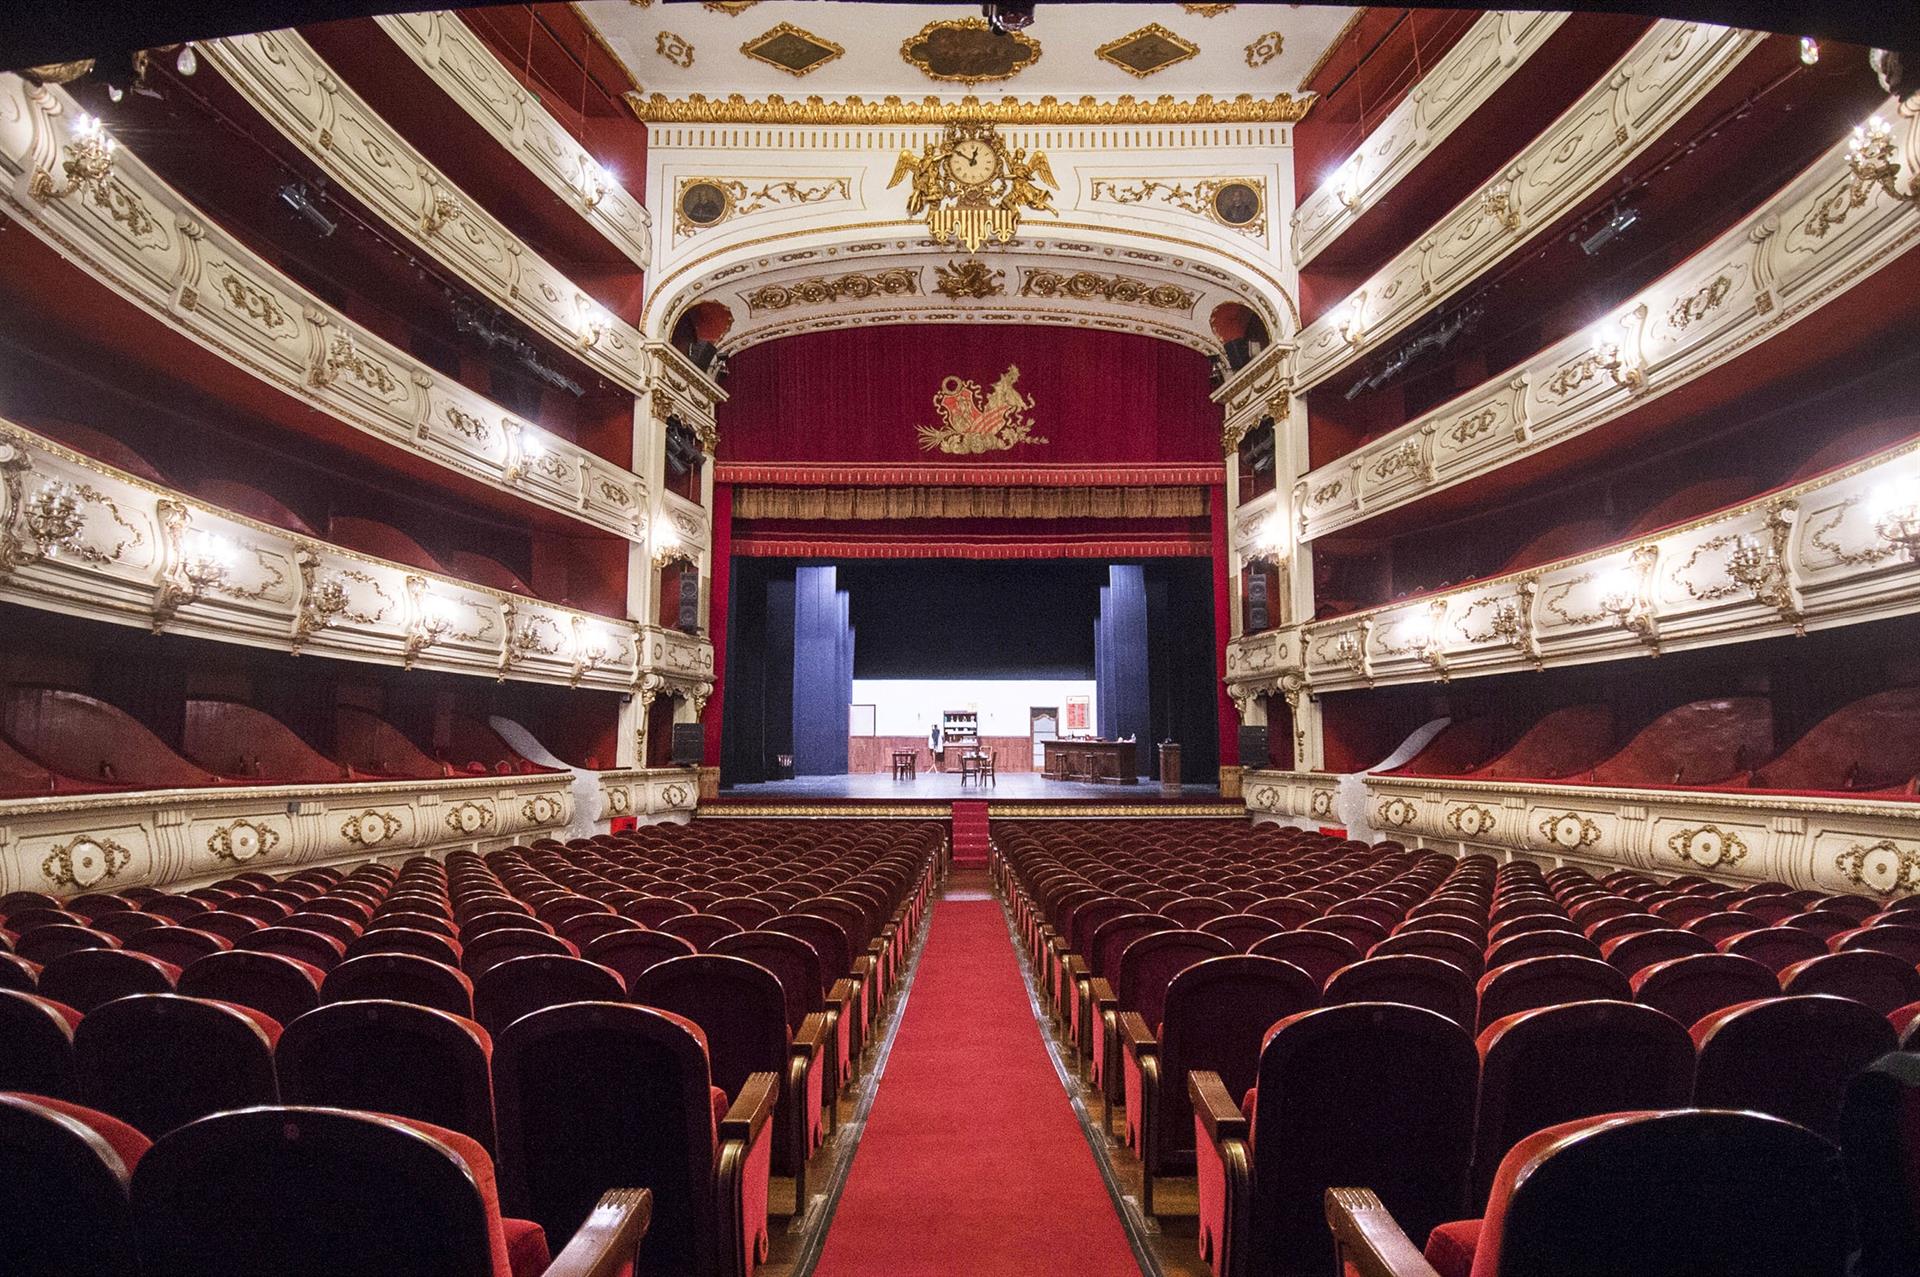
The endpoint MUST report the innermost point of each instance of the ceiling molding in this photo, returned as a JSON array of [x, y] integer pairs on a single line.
[[697, 108]]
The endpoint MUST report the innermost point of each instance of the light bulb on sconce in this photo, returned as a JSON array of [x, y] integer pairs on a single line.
[[1619, 593], [596, 179], [206, 558], [1895, 510]]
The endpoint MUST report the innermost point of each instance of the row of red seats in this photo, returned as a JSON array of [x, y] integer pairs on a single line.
[[754, 998], [1182, 1008]]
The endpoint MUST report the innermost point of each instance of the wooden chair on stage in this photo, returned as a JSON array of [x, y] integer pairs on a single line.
[[977, 764], [988, 764], [905, 764]]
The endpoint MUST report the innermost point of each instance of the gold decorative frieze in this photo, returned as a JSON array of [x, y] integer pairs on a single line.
[[855, 286], [968, 51], [1764, 275], [793, 49], [971, 186], [674, 49], [1824, 844], [1238, 203], [1151, 48], [84, 863], [284, 336], [287, 81], [1122, 290], [703, 202], [1669, 71], [736, 108], [459, 62], [1485, 57], [1265, 48], [1208, 10], [971, 278]]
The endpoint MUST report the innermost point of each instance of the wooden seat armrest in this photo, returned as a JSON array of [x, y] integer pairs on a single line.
[[608, 1243], [812, 1034], [1215, 1108], [752, 1109], [1135, 1037], [844, 991], [1076, 966], [1056, 941], [863, 966], [1101, 992], [1368, 1240]]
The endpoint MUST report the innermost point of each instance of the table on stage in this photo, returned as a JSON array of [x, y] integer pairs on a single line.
[[1112, 762]]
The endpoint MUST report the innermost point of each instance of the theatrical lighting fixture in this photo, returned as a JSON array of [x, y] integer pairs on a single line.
[[1016, 15], [493, 330], [188, 62], [1622, 218], [1436, 338], [298, 197], [1809, 50], [1896, 516]]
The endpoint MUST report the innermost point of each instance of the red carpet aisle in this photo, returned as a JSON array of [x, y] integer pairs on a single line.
[[973, 1164], [970, 834]]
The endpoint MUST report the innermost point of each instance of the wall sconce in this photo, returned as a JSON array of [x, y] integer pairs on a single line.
[[1623, 596], [199, 564], [87, 166], [54, 518], [667, 546], [1347, 188], [524, 451], [1896, 517], [433, 619], [596, 179], [1870, 154], [592, 647], [592, 329]]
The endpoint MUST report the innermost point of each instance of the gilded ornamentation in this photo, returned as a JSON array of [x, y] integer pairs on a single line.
[[1328, 491], [1497, 202], [1570, 830], [1395, 813], [969, 425], [87, 165], [56, 519], [792, 49], [241, 841], [525, 640], [674, 49], [737, 108], [1320, 804], [1708, 847], [1884, 867], [1265, 48], [968, 51], [343, 355], [1467, 429], [1265, 798], [1605, 358], [1873, 162], [468, 425], [370, 828], [325, 599], [1760, 567], [971, 278], [899, 281], [971, 186], [1470, 820], [732, 8], [1208, 10], [1152, 48], [1403, 459], [619, 800], [541, 809], [1698, 303], [702, 202], [84, 862], [469, 818], [253, 302], [1119, 289], [674, 796], [1822, 538]]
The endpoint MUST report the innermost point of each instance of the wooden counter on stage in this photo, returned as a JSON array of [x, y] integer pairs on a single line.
[[1112, 762]]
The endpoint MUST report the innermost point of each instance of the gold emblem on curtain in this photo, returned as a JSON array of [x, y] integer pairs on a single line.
[[970, 425]]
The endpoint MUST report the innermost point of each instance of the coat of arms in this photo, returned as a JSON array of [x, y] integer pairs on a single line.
[[971, 186], [972, 426]]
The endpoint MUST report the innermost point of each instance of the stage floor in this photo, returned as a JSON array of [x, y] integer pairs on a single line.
[[1012, 786]]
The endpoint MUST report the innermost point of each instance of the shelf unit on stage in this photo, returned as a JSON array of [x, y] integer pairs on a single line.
[[960, 728]]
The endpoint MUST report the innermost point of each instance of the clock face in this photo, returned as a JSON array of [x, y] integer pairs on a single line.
[[972, 162]]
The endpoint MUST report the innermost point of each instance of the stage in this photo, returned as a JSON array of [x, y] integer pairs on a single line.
[[945, 786]]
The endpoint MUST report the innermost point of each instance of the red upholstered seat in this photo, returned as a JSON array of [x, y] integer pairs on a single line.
[[87, 978], [36, 1045], [159, 1060], [702, 929], [1540, 944], [180, 945], [1621, 1194], [1906, 1023], [310, 947], [66, 1171], [1882, 981], [565, 1137], [419, 942], [1775, 947], [18, 974], [400, 977], [281, 987], [489, 949], [1880, 1139], [1318, 953], [1695, 986], [1547, 981], [391, 1057], [1788, 1056], [1241, 930], [1543, 1067], [1901, 940], [1449, 947], [45, 943], [1412, 979], [1641, 949], [508, 990]]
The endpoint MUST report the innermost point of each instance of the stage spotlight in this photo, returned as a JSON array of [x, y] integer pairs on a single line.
[[1622, 218], [297, 197]]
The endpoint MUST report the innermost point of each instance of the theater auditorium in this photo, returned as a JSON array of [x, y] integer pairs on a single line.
[[810, 638]]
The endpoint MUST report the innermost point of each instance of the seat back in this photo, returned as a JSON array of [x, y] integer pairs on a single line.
[[299, 1190], [306, 946], [1447, 946], [1411, 978], [399, 1058], [1775, 947], [1318, 953], [66, 1171], [1883, 981], [414, 940], [738, 1005], [491, 948], [794, 963], [828, 938], [1549, 981], [1368, 1093], [87, 978], [1111, 938], [1640, 950], [1241, 930], [1699, 984], [566, 1135], [281, 987], [1788, 1056], [1880, 1144], [1624, 1195], [36, 1046], [1558, 1063], [400, 977], [1149, 964], [518, 986], [1218, 1012], [157, 1061]]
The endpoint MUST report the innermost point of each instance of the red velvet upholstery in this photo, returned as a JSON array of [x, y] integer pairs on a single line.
[[1150, 963], [306, 946], [283, 988], [1318, 953], [1447, 946], [1775, 947], [1695, 986], [1540, 944], [44, 944], [89, 977], [631, 952], [794, 963], [66, 1170], [1880, 1140], [36, 1046], [419, 942], [490, 949], [1634, 953], [1788, 1056], [158, 1060], [1557, 1063], [518, 986], [1882, 981], [1241, 930], [702, 929], [391, 1057], [1411, 979], [1900, 939], [400, 977]]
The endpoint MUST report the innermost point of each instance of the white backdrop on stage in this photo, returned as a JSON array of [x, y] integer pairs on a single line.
[[909, 706]]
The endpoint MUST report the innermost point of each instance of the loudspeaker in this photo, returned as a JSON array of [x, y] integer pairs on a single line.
[[689, 744], [1253, 746], [1257, 600], [689, 601]]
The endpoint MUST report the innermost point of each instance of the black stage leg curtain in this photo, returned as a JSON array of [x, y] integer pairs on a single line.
[[822, 673], [1120, 660]]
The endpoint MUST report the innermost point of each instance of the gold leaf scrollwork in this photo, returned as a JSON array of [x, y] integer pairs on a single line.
[[541, 810], [84, 862], [970, 425], [1471, 820], [971, 278], [242, 840], [1396, 813], [1570, 830], [1119, 289], [1883, 867], [370, 828], [1822, 538], [469, 818], [1265, 48], [1320, 804], [674, 796], [1088, 109], [1699, 303], [896, 282], [252, 301], [1708, 846]]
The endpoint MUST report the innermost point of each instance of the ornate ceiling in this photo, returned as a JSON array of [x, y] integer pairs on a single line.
[[796, 49]]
